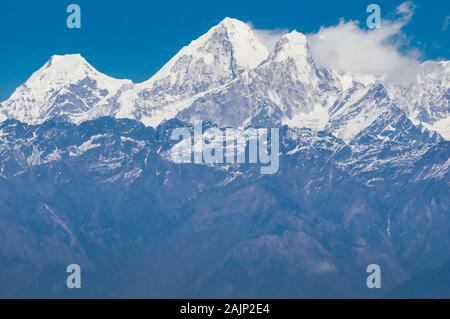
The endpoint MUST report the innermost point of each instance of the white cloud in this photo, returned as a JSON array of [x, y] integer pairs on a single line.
[[446, 23], [268, 38], [348, 47], [407, 10]]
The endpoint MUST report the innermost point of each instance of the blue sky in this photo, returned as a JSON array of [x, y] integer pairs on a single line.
[[134, 38]]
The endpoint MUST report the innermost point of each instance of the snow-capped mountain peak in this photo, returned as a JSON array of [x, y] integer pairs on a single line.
[[293, 44], [247, 50], [231, 46], [209, 62], [60, 69], [293, 48], [66, 86], [228, 76], [63, 70], [426, 99], [286, 88]]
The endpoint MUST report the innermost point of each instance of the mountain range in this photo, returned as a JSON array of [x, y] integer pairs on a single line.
[[229, 77], [364, 177]]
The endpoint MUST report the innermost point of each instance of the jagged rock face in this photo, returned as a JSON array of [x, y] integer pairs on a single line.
[[427, 99], [285, 88], [208, 63], [428, 96]]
